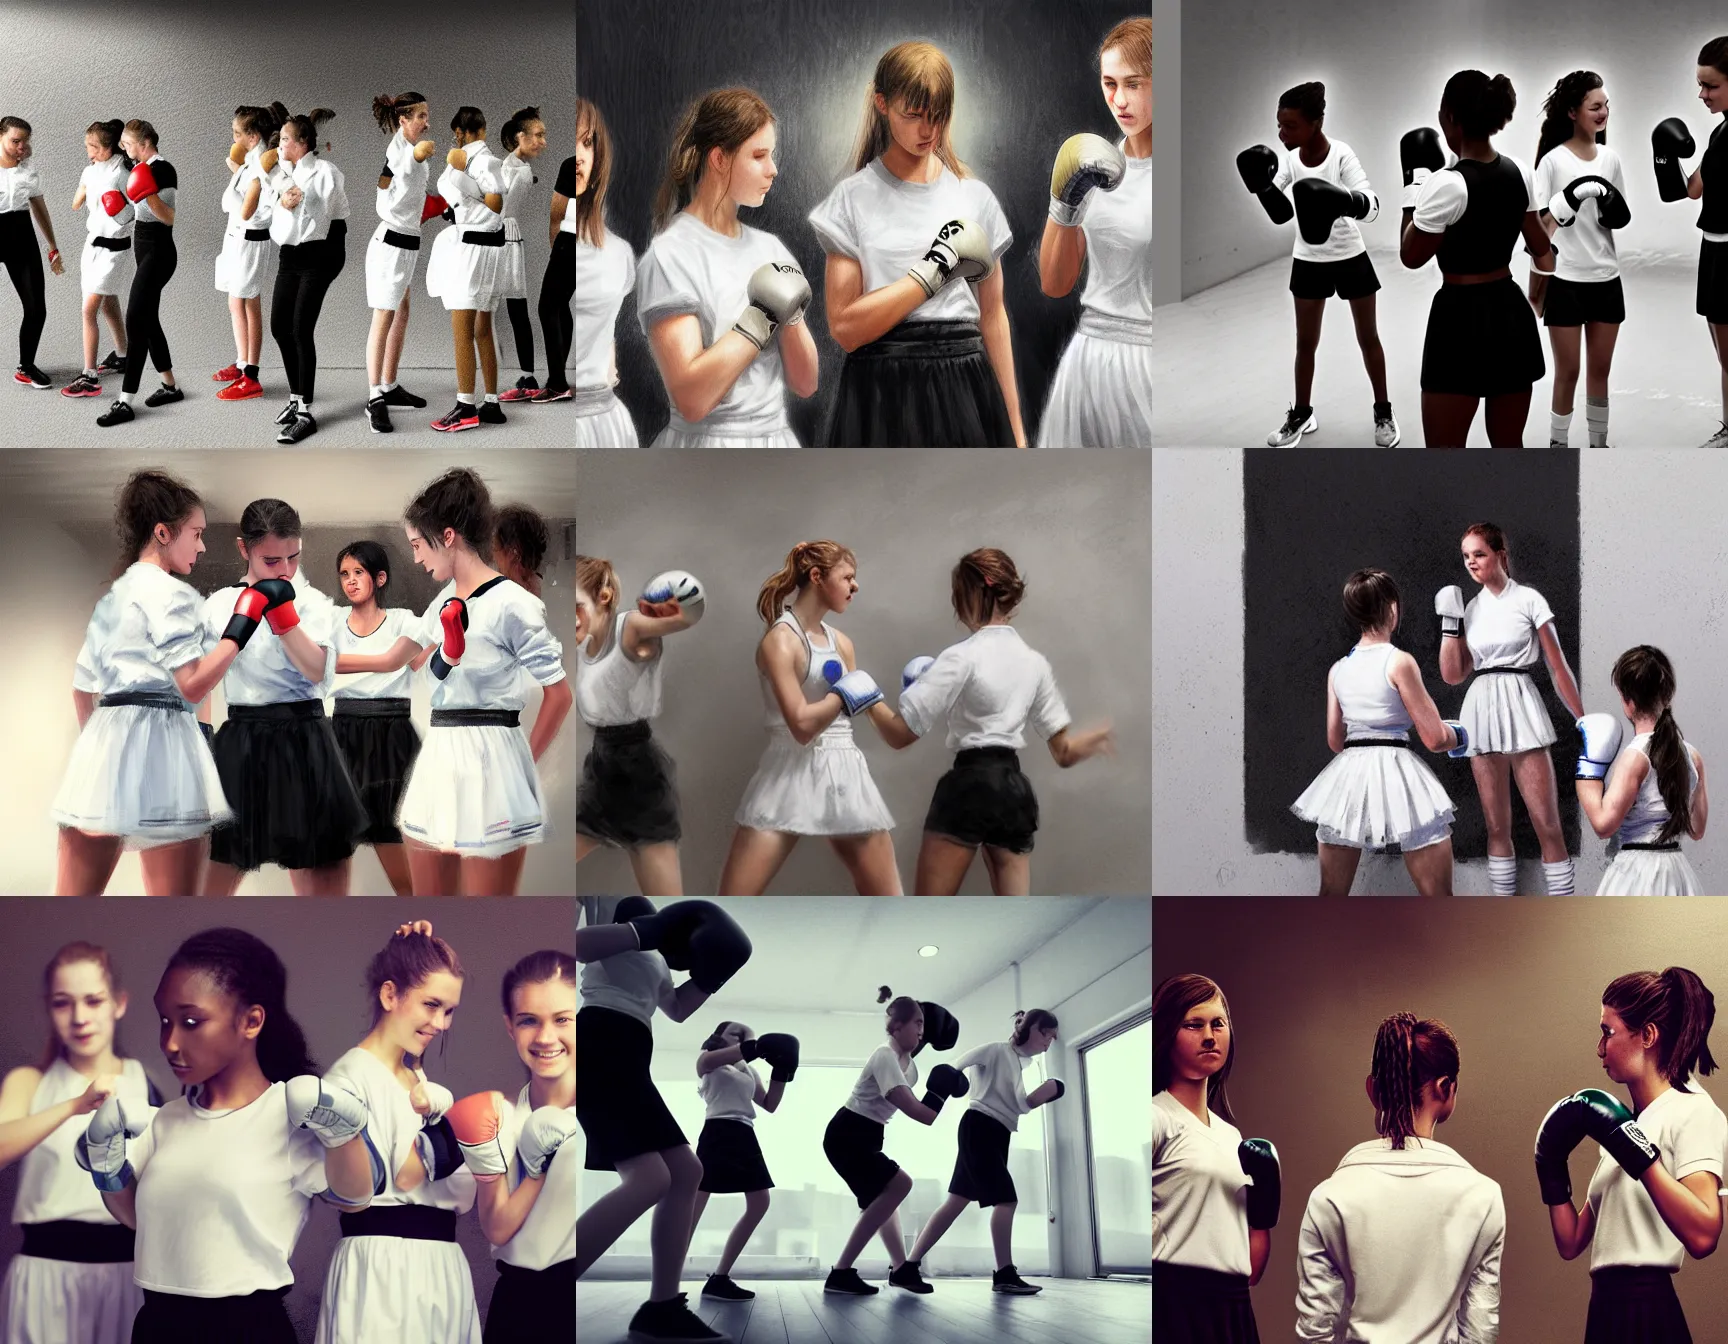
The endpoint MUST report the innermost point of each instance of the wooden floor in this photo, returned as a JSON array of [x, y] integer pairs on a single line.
[[960, 1311]]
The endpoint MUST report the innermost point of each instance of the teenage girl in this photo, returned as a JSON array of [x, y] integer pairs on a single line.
[[467, 267], [103, 269], [22, 211], [524, 139], [152, 187], [404, 206], [248, 252]]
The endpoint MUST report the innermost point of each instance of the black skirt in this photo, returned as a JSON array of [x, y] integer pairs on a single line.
[[628, 794], [853, 1144], [379, 742], [173, 1318], [923, 385], [294, 802], [984, 799], [1482, 341], [1201, 1306], [732, 1162], [1634, 1304], [619, 1108], [981, 1163], [1713, 282], [532, 1306]]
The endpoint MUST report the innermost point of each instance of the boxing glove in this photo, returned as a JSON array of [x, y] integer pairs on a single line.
[[778, 296], [141, 183], [237, 154], [1258, 167], [1462, 746], [1420, 156], [249, 609], [1449, 607], [1561, 1130], [1085, 163], [1612, 212], [676, 588], [453, 620], [915, 669], [781, 1051], [114, 202], [1613, 1126], [457, 158], [1321, 204], [857, 689], [326, 1107], [542, 1136], [434, 205], [1670, 142], [1601, 733], [959, 251], [475, 1121], [278, 604], [945, 1081], [697, 936], [101, 1150], [941, 1028], [1259, 1162]]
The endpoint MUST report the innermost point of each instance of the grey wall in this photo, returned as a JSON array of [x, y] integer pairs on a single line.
[[1079, 539], [186, 67], [1674, 595], [326, 961], [1384, 66], [1167, 174]]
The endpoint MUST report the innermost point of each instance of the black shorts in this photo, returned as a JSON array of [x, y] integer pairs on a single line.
[[853, 1144], [1482, 341], [981, 1162], [1352, 278], [985, 800], [1572, 303], [732, 1162], [1713, 282]]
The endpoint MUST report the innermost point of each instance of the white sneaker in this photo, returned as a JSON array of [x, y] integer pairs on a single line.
[[1386, 431], [1293, 428], [1719, 439]]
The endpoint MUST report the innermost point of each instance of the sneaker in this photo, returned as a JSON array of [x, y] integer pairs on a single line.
[[241, 389], [304, 427], [112, 362], [491, 413], [401, 396], [286, 415], [847, 1281], [379, 414], [82, 386], [164, 396], [232, 374], [672, 1320], [117, 414], [1386, 431], [908, 1277], [1717, 440], [1008, 1280], [1298, 422], [551, 394], [30, 376], [526, 387], [462, 416], [722, 1287]]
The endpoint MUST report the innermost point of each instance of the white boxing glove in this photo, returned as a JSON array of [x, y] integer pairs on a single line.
[[675, 585]]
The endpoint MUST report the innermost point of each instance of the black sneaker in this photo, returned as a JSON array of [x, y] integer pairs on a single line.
[[462, 416], [672, 1320], [164, 396], [907, 1276], [491, 413], [29, 375], [1008, 1280], [401, 396], [551, 394], [304, 427], [82, 386], [379, 414], [112, 362], [117, 414], [847, 1281], [286, 415], [721, 1286], [1298, 422]]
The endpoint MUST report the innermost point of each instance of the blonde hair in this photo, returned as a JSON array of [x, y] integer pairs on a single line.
[[794, 574], [919, 76], [1133, 37], [591, 204]]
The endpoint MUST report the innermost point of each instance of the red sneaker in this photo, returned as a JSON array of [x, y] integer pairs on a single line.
[[241, 389], [228, 375]]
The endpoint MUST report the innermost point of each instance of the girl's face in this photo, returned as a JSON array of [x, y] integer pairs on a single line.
[[241, 136], [203, 1030], [95, 150], [914, 133], [1592, 113], [15, 144], [188, 544], [531, 141], [438, 561], [1623, 1052], [414, 1018], [1202, 1042], [1294, 129], [584, 614], [838, 586], [271, 557], [84, 1009], [1713, 88], [1482, 561], [584, 157], [291, 147], [543, 1027], [414, 123], [752, 168], [1038, 1040], [1127, 91], [907, 1035], [137, 148], [357, 585]]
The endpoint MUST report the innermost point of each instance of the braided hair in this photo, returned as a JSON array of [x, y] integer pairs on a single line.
[[1409, 1053]]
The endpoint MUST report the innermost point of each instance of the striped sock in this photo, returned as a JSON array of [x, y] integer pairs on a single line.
[[1503, 874], [1558, 877]]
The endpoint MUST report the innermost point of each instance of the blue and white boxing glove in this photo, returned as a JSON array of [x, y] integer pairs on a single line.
[[1463, 747], [101, 1150], [857, 689], [1601, 734], [675, 585], [915, 669]]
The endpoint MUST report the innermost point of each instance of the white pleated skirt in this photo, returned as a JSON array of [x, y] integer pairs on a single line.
[[1371, 797]]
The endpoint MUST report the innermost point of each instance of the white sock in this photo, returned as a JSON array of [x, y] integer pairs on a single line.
[[386, 387], [491, 396], [299, 402], [1503, 874], [1596, 418], [465, 398], [91, 373], [1558, 877], [1559, 427], [128, 397], [378, 389]]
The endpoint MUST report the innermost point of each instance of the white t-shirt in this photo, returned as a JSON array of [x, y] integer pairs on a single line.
[[393, 1126], [604, 278], [1342, 168], [997, 1090], [629, 982], [1586, 249], [1691, 1135], [990, 686], [729, 1092], [398, 685], [1199, 1190], [880, 1075], [1501, 630], [548, 1234]]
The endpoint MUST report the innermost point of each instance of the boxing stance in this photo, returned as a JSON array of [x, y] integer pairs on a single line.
[[107, 255], [152, 188]]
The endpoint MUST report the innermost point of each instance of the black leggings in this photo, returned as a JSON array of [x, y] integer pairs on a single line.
[[155, 257], [557, 288], [303, 277], [524, 329], [24, 265]]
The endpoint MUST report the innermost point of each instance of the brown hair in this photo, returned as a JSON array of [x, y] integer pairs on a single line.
[[536, 968], [591, 204], [919, 77], [406, 961], [1171, 1002], [388, 111], [794, 575], [1409, 1053], [306, 126], [1134, 38], [1028, 1018], [70, 955], [460, 501], [1644, 676], [523, 530], [108, 133], [901, 1009], [1715, 53], [150, 497], [1495, 540], [983, 584], [723, 119], [593, 576], [140, 129], [1682, 1008], [1368, 598]]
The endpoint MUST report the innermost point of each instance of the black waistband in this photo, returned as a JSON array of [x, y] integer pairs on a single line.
[[475, 718], [978, 755], [411, 1222], [1665, 846], [365, 707], [1506, 671], [1377, 742], [256, 235], [928, 339], [80, 1243], [1193, 1280], [622, 734], [408, 242], [111, 244], [291, 709], [484, 238], [559, 1272], [149, 699]]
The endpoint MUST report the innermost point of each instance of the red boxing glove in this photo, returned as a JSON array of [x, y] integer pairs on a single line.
[[249, 609], [279, 604], [453, 616], [113, 202], [142, 183], [475, 1121], [435, 205]]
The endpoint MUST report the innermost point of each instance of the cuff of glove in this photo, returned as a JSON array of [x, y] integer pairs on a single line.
[[755, 326], [1069, 216]]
